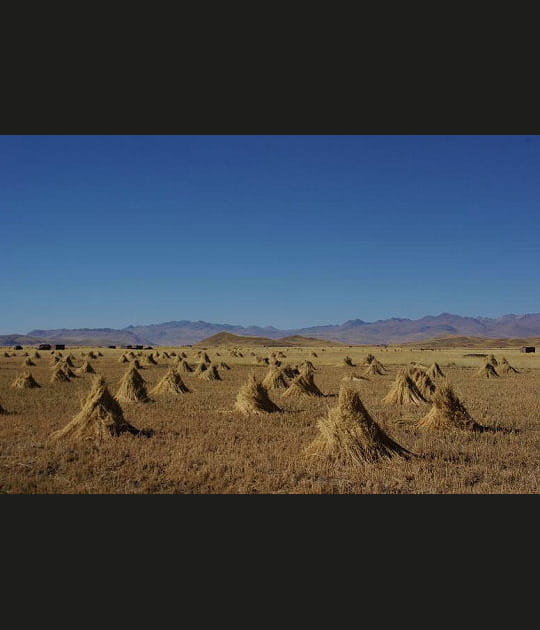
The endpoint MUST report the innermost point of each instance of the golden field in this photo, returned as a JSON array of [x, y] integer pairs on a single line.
[[202, 445]]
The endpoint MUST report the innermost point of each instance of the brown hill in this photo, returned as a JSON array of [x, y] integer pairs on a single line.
[[230, 339], [299, 340]]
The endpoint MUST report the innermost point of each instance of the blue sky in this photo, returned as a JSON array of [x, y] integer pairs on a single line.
[[107, 231]]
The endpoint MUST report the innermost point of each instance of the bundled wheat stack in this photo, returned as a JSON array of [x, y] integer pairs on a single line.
[[3, 412], [425, 385], [131, 355], [184, 355], [165, 355], [224, 366], [263, 360], [281, 355], [488, 371], [275, 362], [434, 370], [368, 359], [6, 355], [348, 361], [201, 367], [100, 418], [204, 358], [303, 385], [100, 354], [211, 374], [67, 369], [132, 387], [307, 365], [448, 412], [253, 398], [123, 359], [404, 391], [137, 365], [149, 359], [349, 435], [374, 368], [505, 368], [491, 359], [290, 372], [36, 355], [83, 354], [184, 366], [69, 360], [25, 381], [275, 379], [157, 354], [28, 362], [171, 383], [59, 375], [92, 355], [86, 368], [54, 361], [314, 354]]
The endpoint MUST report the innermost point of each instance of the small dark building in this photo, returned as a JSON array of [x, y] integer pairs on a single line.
[[17, 347], [138, 347], [128, 346], [527, 349], [145, 348], [59, 346], [111, 346], [44, 346]]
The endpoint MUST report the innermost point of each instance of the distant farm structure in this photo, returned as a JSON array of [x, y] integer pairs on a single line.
[[44, 346], [527, 349], [59, 346]]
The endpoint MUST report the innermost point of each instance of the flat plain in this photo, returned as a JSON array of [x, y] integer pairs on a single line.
[[201, 444]]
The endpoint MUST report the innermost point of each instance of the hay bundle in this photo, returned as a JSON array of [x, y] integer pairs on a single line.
[[349, 435], [59, 354], [434, 370], [86, 368], [137, 365], [505, 368], [263, 360], [368, 359], [307, 365], [348, 362], [275, 379], [123, 359], [131, 355], [313, 354], [184, 366], [6, 355], [421, 379], [69, 360], [201, 367], [83, 354], [184, 355], [275, 362], [488, 371], [149, 359], [28, 362], [92, 355], [100, 354], [59, 375], [290, 372], [171, 383], [253, 398], [491, 359], [224, 366], [165, 355], [211, 374], [36, 355], [54, 361], [67, 369], [374, 368], [203, 357], [100, 418], [173, 354], [448, 412], [3, 412], [281, 355], [303, 385], [403, 391], [25, 381], [132, 387]]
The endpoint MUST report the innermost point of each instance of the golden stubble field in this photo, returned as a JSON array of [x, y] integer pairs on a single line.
[[201, 445]]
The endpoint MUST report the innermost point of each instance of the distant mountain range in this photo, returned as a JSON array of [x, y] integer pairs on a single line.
[[354, 331]]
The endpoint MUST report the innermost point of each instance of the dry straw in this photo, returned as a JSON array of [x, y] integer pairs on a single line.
[[348, 361], [425, 385], [184, 366], [132, 387], [491, 359], [303, 385], [171, 383], [350, 436], [404, 391], [253, 398], [201, 367], [25, 381], [275, 379], [505, 368], [224, 366], [101, 418], [149, 359], [28, 362], [211, 374], [488, 371], [374, 368], [448, 412], [86, 368], [59, 375], [434, 370]]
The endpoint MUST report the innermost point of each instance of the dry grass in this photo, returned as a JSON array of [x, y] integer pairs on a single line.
[[202, 445]]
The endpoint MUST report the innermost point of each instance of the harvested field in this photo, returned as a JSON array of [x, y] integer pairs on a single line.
[[201, 444]]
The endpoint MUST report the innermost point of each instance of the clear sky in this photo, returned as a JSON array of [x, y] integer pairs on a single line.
[[107, 231]]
